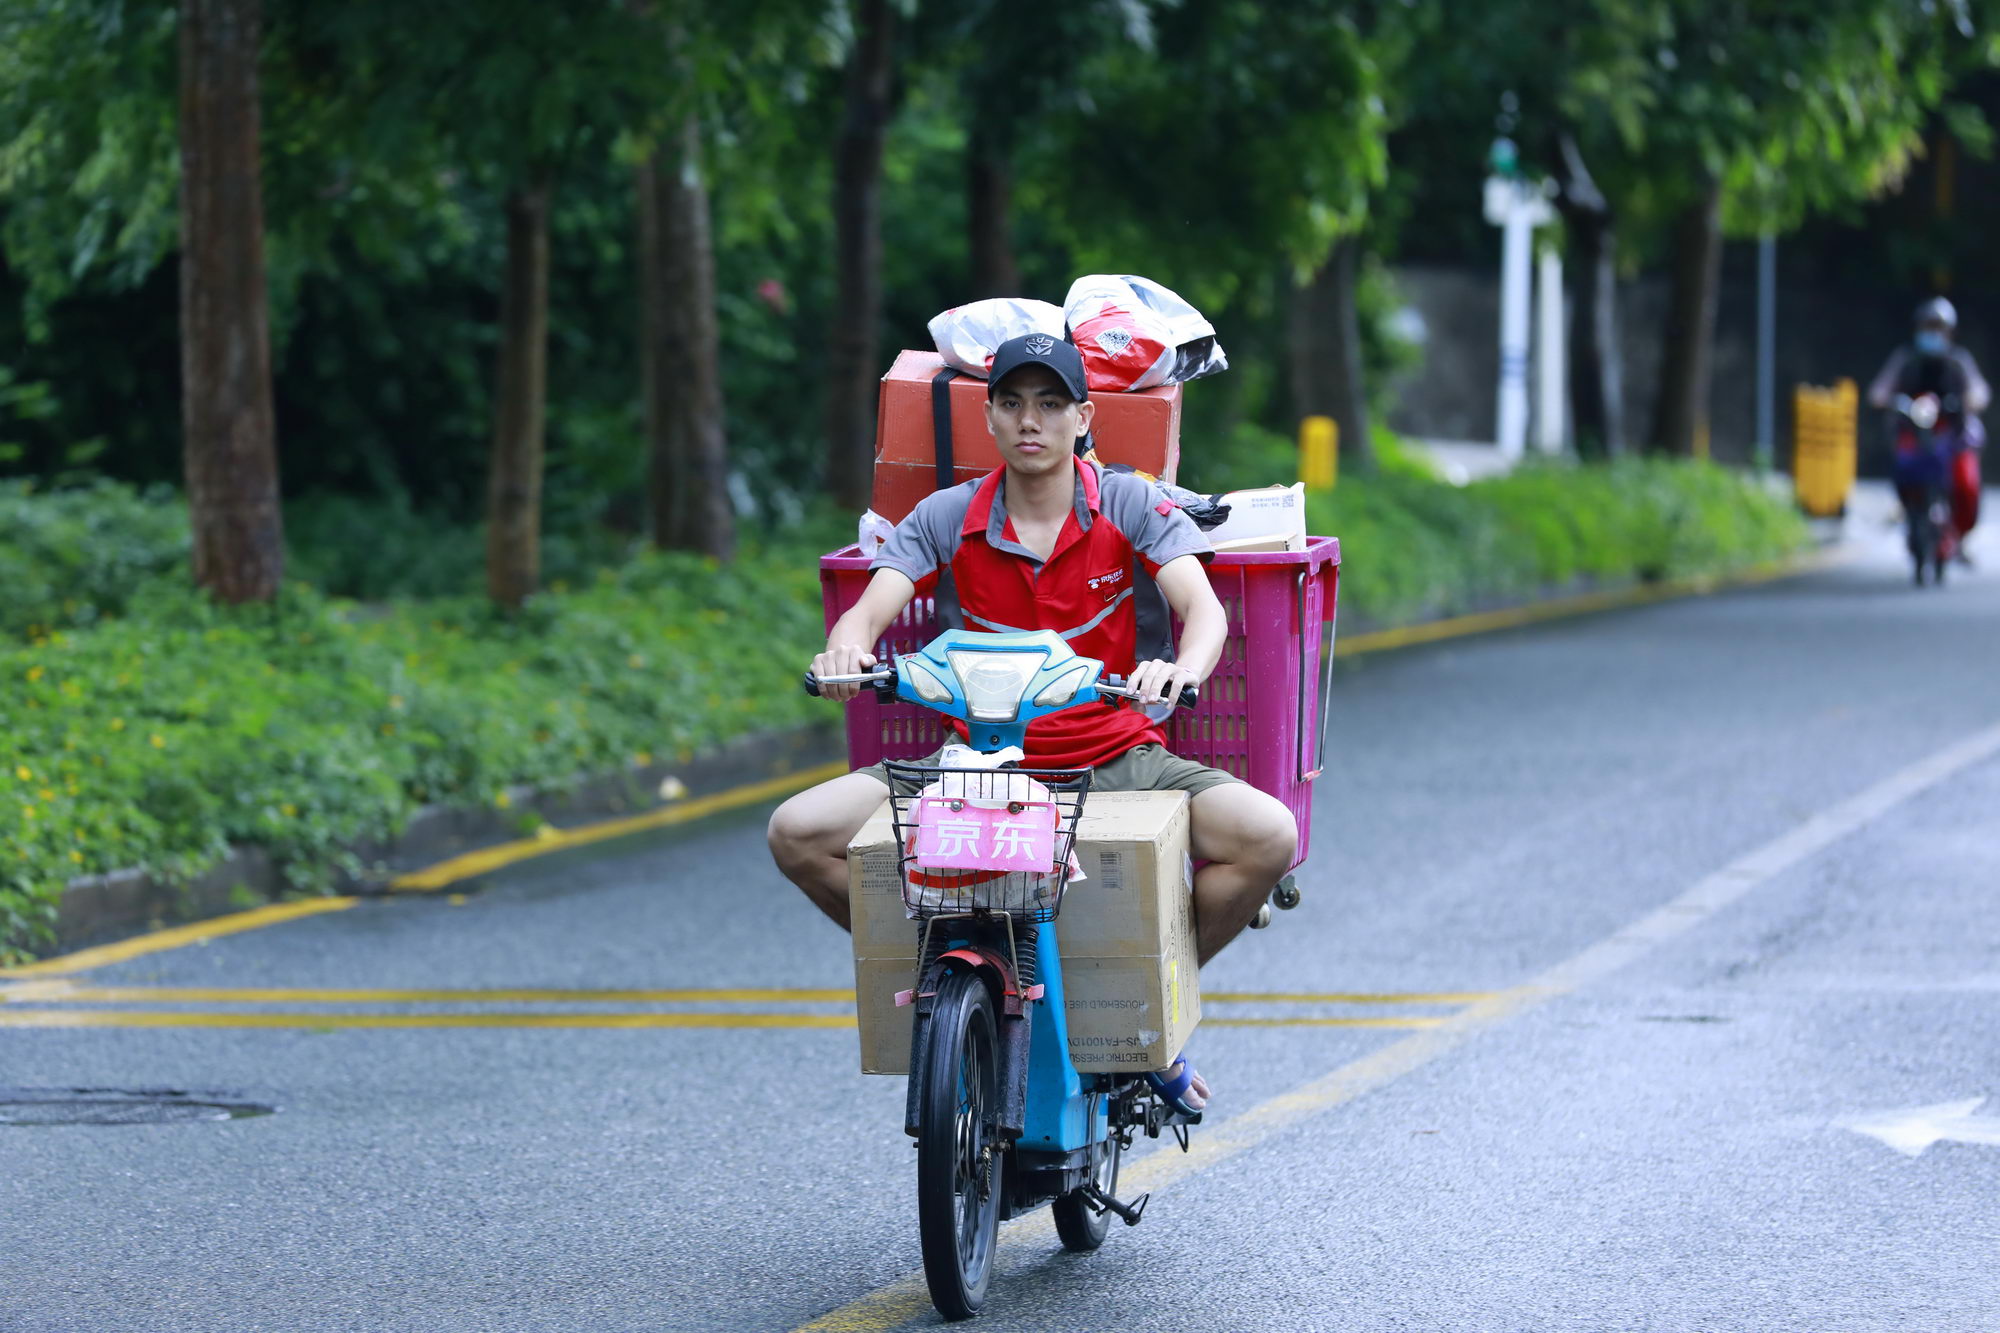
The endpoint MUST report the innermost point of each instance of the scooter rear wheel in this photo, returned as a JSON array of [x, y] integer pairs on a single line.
[[958, 1146], [1081, 1227]]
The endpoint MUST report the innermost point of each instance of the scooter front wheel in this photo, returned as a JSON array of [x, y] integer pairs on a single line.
[[959, 1146]]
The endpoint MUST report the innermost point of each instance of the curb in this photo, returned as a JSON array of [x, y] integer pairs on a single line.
[[97, 907]]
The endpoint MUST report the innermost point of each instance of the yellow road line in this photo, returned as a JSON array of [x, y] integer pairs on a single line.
[[489, 859], [174, 1018], [1514, 617], [58, 990], [902, 1301], [1346, 997], [83, 960], [69, 993], [1429, 1021], [157, 1018]]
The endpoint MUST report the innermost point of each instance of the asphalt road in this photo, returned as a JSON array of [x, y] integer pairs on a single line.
[[1625, 1122]]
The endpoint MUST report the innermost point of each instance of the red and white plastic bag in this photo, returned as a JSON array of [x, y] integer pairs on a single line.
[[967, 336], [1135, 334]]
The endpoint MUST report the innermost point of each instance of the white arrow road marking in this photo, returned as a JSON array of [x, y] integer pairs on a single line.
[[1912, 1130]]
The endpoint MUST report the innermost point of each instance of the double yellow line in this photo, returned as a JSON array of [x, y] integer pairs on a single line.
[[54, 1003]]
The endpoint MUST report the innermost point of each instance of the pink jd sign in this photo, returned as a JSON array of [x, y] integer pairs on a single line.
[[979, 838]]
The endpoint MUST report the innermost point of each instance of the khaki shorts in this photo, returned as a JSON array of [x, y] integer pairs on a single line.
[[1147, 768]]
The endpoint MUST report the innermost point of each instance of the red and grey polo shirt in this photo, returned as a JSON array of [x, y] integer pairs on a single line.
[[1096, 589]]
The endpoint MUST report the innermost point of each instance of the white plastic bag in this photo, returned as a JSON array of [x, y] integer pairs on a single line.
[[872, 533], [967, 336], [1135, 334]]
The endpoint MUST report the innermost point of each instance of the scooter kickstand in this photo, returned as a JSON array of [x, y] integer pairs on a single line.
[[1131, 1212]]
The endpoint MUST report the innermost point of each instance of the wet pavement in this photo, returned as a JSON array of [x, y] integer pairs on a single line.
[[615, 1089]]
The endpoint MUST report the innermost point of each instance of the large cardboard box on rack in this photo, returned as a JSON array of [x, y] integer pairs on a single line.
[[1142, 429], [1130, 971]]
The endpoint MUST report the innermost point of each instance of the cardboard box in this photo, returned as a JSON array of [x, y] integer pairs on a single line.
[[1142, 429], [1268, 518], [1132, 982]]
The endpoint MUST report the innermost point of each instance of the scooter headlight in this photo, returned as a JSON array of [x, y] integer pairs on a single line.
[[995, 682], [928, 687], [1063, 688]]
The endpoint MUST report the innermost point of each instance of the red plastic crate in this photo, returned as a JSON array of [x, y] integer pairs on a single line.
[[1262, 714]]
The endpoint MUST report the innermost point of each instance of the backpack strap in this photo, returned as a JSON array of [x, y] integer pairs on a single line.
[[941, 424]]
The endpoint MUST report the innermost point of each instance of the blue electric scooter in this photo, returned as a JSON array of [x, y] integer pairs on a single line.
[[1003, 1121]]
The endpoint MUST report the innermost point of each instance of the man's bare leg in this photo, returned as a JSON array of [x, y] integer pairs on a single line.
[[1247, 838], [809, 836]]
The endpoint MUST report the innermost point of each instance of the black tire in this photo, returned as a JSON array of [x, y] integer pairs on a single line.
[[1081, 1227], [958, 1146]]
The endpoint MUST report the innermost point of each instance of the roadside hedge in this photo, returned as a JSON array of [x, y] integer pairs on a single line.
[[159, 739], [1413, 547], [143, 726]]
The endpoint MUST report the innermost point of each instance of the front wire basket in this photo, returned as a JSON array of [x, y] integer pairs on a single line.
[[1024, 895]]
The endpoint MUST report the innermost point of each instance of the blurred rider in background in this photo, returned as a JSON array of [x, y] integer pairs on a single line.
[[1933, 363]]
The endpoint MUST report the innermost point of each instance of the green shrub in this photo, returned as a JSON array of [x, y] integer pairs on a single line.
[[1413, 546], [70, 557], [160, 739]]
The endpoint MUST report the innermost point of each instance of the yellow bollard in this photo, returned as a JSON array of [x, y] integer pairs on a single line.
[[1823, 446], [1319, 453]]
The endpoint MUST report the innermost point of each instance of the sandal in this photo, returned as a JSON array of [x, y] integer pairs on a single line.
[[1172, 1087]]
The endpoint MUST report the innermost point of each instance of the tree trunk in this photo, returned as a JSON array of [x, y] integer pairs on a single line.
[[1327, 375], [852, 372], [514, 490], [1596, 366], [989, 203], [229, 451], [1687, 359], [687, 474]]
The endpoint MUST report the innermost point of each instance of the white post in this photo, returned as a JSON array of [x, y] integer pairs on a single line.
[[1517, 233], [1551, 371]]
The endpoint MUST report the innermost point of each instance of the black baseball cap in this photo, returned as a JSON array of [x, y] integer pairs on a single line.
[[1039, 349]]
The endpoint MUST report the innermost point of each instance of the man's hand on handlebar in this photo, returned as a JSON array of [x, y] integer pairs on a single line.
[[1159, 681], [845, 659]]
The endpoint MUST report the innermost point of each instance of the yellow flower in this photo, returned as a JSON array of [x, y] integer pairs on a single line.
[[159, 742], [46, 795], [28, 810], [503, 800], [34, 674], [288, 810], [25, 773], [76, 856], [118, 724]]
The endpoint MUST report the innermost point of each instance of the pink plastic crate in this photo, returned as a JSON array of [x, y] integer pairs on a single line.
[[1262, 712]]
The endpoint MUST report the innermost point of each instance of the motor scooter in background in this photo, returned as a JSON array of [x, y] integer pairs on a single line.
[[1929, 433]]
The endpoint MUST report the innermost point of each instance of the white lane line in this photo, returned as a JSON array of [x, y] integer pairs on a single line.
[[907, 1299]]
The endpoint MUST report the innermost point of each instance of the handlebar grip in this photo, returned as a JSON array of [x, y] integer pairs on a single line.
[[811, 684], [1189, 697]]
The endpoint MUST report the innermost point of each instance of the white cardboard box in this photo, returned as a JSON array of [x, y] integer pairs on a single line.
[[1268, 518], [1130, 969]]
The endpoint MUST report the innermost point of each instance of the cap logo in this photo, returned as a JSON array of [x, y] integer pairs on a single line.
[[1040, 344]]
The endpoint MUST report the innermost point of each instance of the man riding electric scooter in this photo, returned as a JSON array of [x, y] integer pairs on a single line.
[[1938, 383], [1050, 542]]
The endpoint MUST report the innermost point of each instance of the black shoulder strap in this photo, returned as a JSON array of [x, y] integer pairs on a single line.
[[941, 424]]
